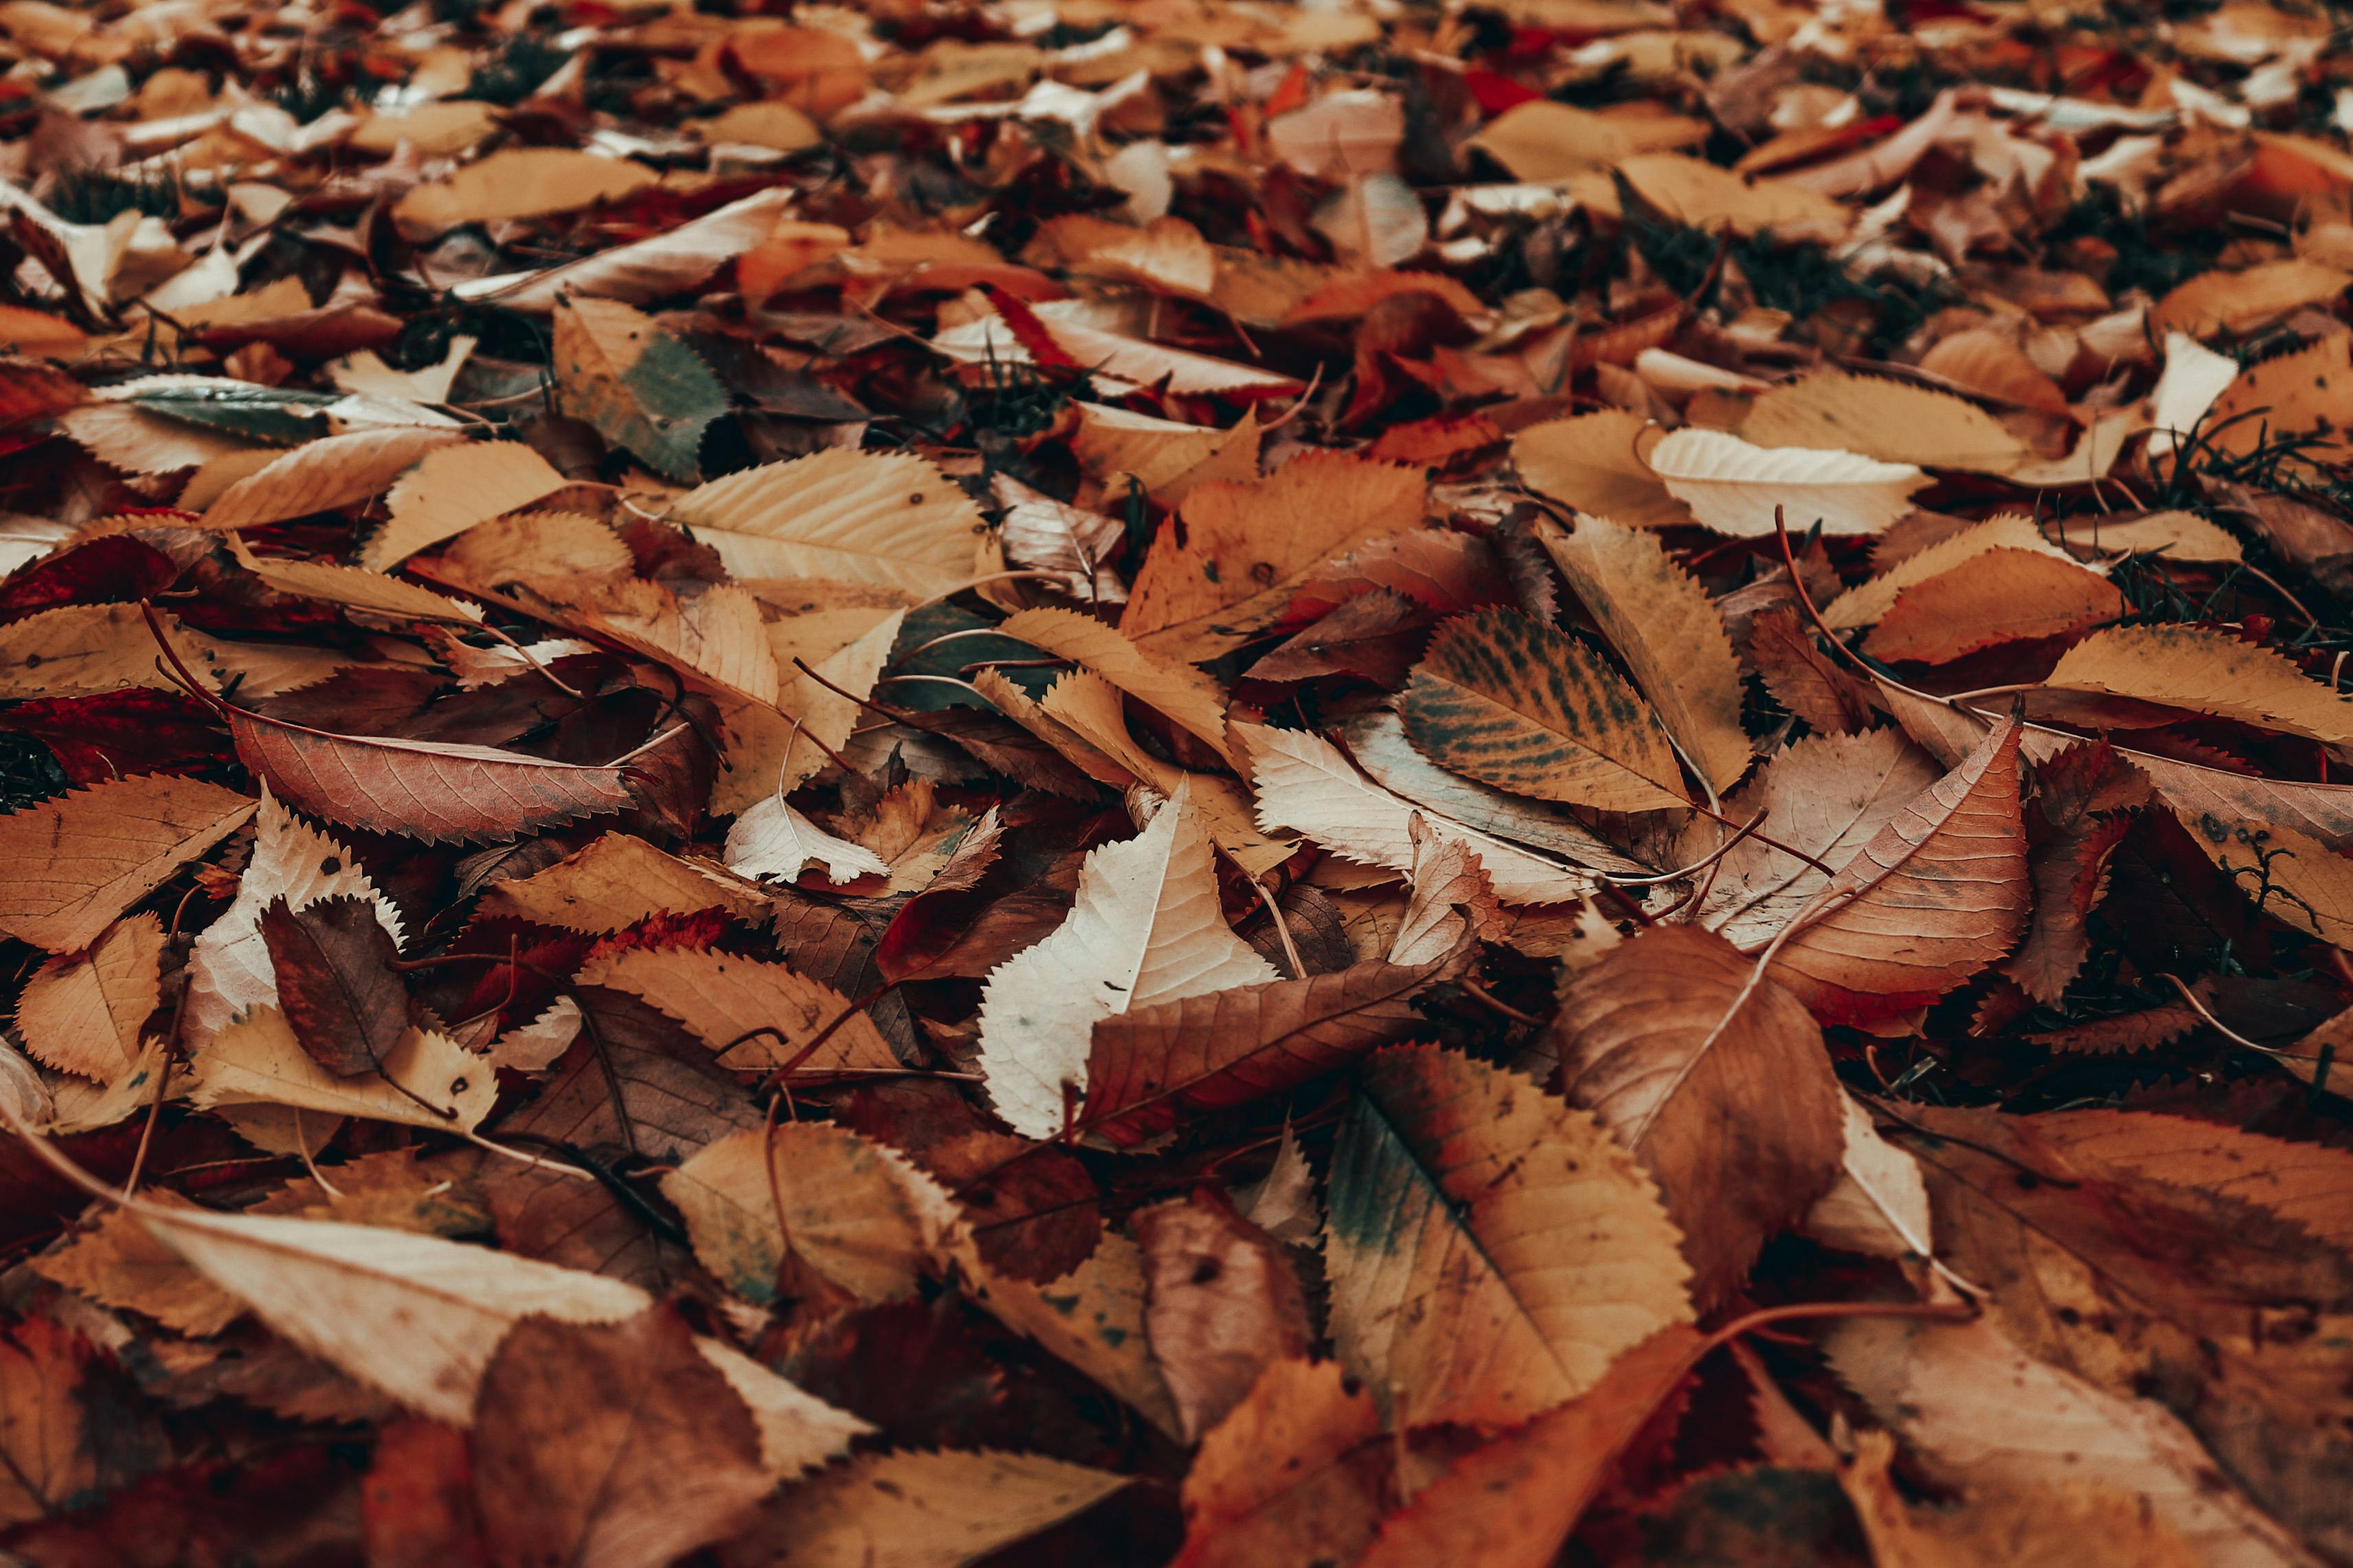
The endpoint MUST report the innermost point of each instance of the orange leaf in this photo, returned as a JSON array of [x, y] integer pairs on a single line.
[[1939, 894]]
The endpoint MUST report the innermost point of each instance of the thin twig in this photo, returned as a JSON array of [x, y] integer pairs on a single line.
[[2228, 1033]]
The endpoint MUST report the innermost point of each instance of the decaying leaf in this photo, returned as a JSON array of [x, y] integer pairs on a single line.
[[639, 385], [1718, 1082], [1513, 703], [1933, 897], [1081, 784], [1146, 930], [69, 866], [1663, 626], [1447, 1178]]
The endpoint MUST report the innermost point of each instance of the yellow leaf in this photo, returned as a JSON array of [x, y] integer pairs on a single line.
[[70, 865], [1665, 627], [855, 1211], [2206, 673], [1491, 1250], [452, 490], [257, 1060], [843, 516], [81, 1013], [520, 181]]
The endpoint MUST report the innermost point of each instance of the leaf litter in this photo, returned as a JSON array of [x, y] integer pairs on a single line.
[[1519, 783]]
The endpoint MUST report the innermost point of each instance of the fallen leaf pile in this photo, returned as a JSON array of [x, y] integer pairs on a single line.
[[1360, 785]]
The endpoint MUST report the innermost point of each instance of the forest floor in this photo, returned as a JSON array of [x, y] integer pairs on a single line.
[[1201, 781]]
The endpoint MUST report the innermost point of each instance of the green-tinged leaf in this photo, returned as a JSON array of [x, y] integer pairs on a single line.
[[1491, 1250], [639, 385], [1512, 703]]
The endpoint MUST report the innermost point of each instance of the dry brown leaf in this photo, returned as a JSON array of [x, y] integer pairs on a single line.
[[2001, 596], [82, 1013], [1491, 1250], [917, 1510], [324, 475], [428, 790], [1449, 899], [1892, 421], [1542, 140], [520, 181], [1513, 1501], [1864, 604], [78, 650], [1704, 196], [51, 1454], [2055, 1524], [1827, 795], [1989, 363], [1092, 1317], [616, 880], [1169, 459], [1981, 1413], [1512, 703], [670, 262], [452, 490], [1594, 463], [1718, 1083], [426, 1079], [2285, 874], [611, 1443], [1222, 1304], [1223, 1047], [855, 1212], [1188, 698], [2239, 302], [70, 865], [1934, 897], [2306, 392], [839, 516], [1244, 547], [119, 1264], [1296, 1474], [355, 588], [2206, 672], [757, 1017], [1664, 625]]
